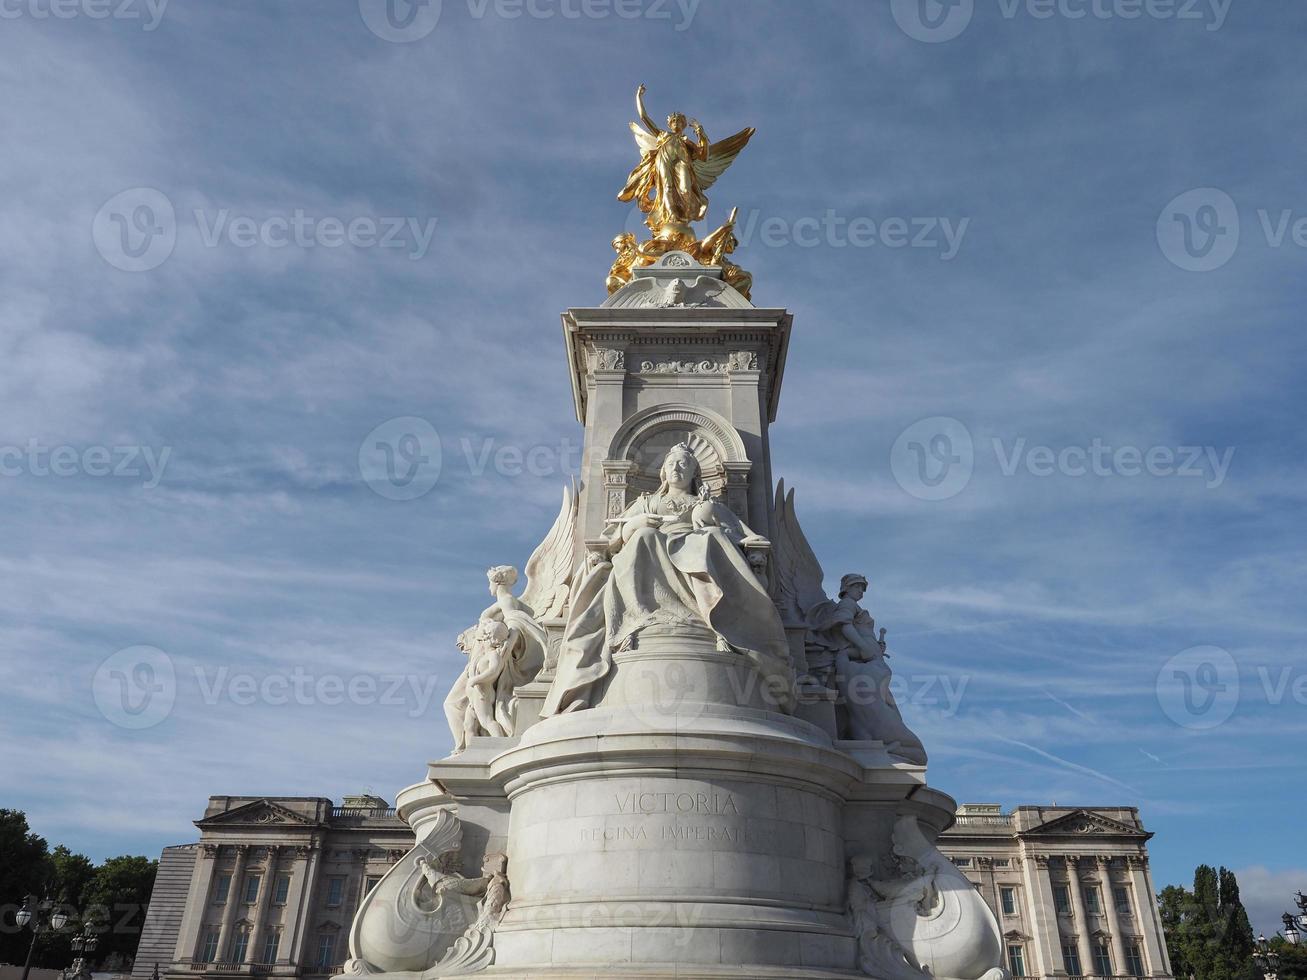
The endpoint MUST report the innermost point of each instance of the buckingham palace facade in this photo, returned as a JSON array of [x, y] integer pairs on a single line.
[[271, 887]]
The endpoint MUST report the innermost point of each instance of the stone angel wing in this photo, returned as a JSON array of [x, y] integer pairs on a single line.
[[646, 141], [799, 576], [549, 570], [720, 156]]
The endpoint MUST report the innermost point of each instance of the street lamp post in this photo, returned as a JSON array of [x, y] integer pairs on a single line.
[[38, 916], [1268, 960], [83, 945]]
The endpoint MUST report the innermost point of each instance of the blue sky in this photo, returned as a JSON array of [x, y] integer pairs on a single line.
[[1040, 614]]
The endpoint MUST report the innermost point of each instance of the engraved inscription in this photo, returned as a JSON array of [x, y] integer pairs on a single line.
[[714, 803]]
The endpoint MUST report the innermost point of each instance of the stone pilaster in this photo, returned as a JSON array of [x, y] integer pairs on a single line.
[[1156, 959], [233, 902], [1113, 917], [298, 919], [261, 907], [1043, 915], [197, 903], [1076, 887]]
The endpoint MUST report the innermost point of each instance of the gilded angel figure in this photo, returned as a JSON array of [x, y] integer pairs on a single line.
[[674, 171]]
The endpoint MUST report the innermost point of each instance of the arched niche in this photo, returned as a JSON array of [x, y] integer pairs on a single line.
[[636, 453]]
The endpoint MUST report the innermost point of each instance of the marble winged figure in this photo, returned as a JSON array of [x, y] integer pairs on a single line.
[[674, 171], [508, 645], [675, 558], [844, 651]]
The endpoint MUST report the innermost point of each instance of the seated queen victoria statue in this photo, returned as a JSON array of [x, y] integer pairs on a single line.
[[677, 559]]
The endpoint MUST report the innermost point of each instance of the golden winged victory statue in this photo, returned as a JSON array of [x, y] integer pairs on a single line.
[[668, 186]]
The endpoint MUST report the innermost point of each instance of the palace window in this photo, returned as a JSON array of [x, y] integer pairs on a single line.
[[1092, 904], [209, 952], [1016, 960], [281, 889], [327, 949], [1134, 962], [1071, 959], [370, 883], [1121, 898], [252, 888], [1062, 899], [240, 944], [270, 943], [335, 891], [1008, 898], [221, 889], [1102, 959], [1002, 862], [962, 862]]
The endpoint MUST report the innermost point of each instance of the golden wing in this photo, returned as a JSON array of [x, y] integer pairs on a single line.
[[720, 156], [645, 141]]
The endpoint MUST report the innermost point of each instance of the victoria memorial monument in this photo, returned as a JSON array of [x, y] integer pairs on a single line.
[[675, 755]]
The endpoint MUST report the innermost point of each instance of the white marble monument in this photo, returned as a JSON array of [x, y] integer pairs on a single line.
[[675, 755]]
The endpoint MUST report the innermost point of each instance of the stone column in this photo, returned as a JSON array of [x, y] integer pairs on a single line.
[[605, 405], [1156, 959], [1113, 918], [749, 416], [1042, 913], [1082, 915], [299, 909], [261, 908], [233, 900], [197, 903]]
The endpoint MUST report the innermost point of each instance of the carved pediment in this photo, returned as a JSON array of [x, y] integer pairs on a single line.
[[1085, 823], [260, 813]]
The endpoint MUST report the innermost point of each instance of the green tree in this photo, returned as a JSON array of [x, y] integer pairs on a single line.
[[23, 872], [1207, 930], [1202, 926], [1293, 959], [1172, 905], [1235, 954], [115, 900]]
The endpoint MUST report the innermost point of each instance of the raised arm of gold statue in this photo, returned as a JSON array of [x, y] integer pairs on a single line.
[[669, 182]]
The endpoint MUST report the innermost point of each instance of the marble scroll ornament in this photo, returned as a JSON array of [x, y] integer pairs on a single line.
[[928, 922], [425, 920]]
